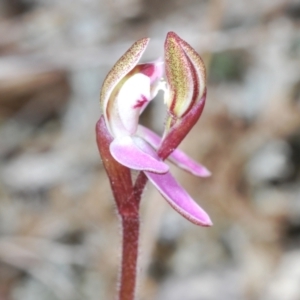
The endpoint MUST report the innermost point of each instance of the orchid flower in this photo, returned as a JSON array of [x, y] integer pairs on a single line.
[[125, 145], [128, 89]]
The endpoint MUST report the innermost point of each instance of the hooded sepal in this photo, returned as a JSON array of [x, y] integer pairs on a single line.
[[186, 78], [122, 67]]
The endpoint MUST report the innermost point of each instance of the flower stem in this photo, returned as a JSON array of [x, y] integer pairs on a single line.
[[127, 200], [139, 185], [130, 238]]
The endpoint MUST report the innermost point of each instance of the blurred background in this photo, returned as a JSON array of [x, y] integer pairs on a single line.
[[59, 233]]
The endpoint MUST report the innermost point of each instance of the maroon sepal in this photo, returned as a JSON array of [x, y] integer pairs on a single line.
[[119, 175], [179, 131]]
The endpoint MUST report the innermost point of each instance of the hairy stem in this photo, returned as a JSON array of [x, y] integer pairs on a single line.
[[130, 231], [127, 200], [139, 186]]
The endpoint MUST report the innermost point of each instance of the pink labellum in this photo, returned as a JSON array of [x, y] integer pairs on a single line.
[[177, 157], [136, 154], [179, 199], [184, 162]]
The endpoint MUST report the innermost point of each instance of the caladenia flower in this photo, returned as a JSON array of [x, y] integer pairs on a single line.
[[125, 145]]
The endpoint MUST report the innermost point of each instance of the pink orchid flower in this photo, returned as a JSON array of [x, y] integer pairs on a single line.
[[128, 89]]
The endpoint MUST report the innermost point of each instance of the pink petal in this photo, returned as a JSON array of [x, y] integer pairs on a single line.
[[177, 157], [184, 162], [136, 154], [179, 199]]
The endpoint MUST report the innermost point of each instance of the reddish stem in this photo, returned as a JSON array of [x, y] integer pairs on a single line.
[[128, 208], [139, 185], [130, 231]]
